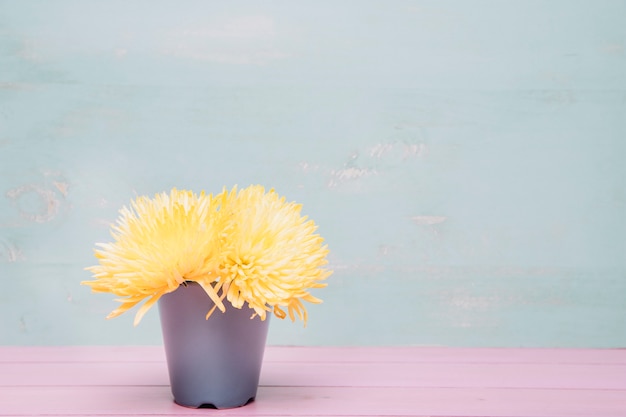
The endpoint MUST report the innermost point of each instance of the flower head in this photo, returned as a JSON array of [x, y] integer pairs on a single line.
[[159, 244], [246, 245], [270, 255]]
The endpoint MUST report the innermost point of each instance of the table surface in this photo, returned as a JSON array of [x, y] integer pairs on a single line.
[[325, 381]]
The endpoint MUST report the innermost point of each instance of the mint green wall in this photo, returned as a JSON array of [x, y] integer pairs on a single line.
[[463, 159]]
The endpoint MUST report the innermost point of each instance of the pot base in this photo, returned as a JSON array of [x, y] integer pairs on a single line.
[[213, 406]]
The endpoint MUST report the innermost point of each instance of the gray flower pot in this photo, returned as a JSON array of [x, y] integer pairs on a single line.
[[214, 363]]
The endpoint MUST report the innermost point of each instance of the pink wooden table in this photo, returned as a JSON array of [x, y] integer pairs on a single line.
[[298, 381]]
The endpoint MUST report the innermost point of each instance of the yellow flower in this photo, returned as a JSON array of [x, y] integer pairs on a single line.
[[248, 246], [159, 244], [270, 256]]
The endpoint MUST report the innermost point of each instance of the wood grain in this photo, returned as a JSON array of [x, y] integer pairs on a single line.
[[132, 381]]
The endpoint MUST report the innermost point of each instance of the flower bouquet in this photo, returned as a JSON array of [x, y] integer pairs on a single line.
[[197, 253]]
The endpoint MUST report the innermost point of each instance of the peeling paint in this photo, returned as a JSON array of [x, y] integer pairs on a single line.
[[352, 173], [307, 167], [348, 174], [380, 149], [428, 220], [45, 211], [9, 252], [406, 150], [415, 149], [62, 187]]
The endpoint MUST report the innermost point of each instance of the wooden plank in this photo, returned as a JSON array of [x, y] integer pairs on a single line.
[[425, 375], [325, 354], [317, 381], [358, 374], [316, 401], [445, 355], [82, 354]]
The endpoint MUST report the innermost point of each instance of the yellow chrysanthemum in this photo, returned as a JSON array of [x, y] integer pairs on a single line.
[[159, 244], [248, 246], [270, 256]]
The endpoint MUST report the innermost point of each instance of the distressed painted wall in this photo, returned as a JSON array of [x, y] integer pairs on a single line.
[[464, 159]]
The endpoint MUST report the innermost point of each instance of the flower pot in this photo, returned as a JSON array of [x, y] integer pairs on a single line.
[[214, 363]]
